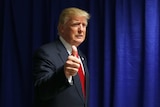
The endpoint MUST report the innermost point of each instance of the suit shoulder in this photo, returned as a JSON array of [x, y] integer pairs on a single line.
[[51, 47]]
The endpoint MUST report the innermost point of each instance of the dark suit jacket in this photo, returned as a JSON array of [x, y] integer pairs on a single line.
[[51, 86]]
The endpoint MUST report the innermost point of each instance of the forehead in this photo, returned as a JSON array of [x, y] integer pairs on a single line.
[[78, 18]]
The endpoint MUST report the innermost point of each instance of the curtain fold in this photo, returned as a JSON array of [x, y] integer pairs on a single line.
[[122, 47]]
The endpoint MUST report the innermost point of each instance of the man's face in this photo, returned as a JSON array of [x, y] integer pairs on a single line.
[[74, 30]]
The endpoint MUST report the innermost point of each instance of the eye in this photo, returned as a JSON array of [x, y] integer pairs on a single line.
[[78, 24], [75, 24], [84, 25]]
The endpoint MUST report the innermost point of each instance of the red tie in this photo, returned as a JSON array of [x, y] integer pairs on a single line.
[[82, 79]]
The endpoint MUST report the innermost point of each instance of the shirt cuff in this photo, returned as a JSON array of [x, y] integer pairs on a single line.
[[70, 80]]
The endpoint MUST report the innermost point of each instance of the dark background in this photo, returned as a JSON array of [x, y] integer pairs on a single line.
[[122, 47]]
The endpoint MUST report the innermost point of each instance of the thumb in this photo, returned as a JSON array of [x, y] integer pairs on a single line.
[[74, 51]]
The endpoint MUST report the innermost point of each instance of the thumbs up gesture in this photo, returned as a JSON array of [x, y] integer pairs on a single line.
[[72, 64]]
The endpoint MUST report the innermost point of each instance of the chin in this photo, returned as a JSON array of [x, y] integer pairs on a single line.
[[77, 44]]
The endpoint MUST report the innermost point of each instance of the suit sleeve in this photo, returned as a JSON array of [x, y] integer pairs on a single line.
[[49, 79]]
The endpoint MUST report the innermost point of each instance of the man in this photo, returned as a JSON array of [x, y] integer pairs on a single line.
[[56, 66]]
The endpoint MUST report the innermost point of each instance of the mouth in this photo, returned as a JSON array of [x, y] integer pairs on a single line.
[[79, 36]]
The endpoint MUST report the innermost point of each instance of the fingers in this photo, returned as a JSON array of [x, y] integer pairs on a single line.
[[72, 71], [71, 66]]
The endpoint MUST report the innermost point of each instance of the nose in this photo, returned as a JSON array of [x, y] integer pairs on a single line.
[[80, 28]]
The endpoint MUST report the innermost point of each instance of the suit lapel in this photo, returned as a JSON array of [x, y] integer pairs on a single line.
[[62, 51], [78, 86]]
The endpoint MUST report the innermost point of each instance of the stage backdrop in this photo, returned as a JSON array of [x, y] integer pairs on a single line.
[[122, 47]]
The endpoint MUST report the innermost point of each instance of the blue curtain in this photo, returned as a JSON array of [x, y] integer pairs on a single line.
[[122, 47]]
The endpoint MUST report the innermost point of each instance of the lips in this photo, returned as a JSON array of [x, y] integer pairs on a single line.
[[79, 36]]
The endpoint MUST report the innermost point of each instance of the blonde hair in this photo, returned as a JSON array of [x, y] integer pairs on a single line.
[[66, 13]]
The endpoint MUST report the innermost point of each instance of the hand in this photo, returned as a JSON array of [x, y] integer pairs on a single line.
[[72, 64]]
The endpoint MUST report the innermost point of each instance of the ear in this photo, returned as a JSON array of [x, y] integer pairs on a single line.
[[61, 28]]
